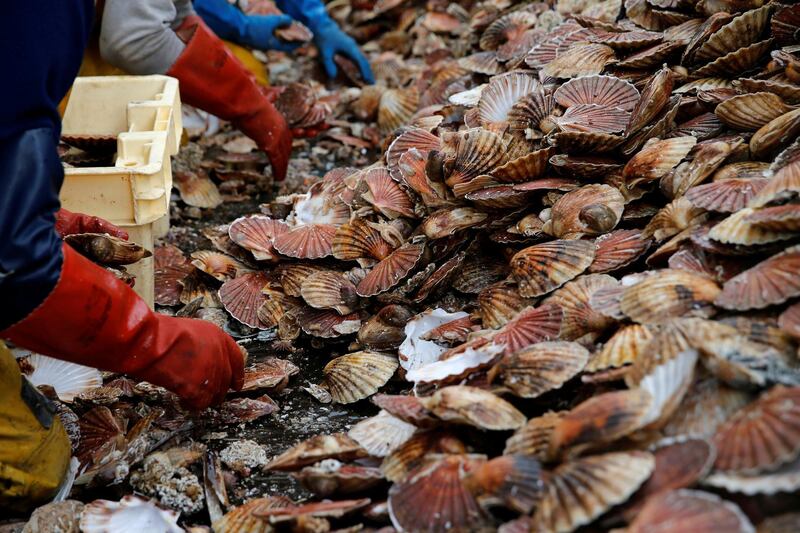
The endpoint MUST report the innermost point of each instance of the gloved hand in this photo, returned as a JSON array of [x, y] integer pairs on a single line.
[[93, 319], [331, 40], [69, 223], [212, 79], [255, 31], [259, 32]]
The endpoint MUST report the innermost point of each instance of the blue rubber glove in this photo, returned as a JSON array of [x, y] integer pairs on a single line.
[[328, 37], [255, 31]]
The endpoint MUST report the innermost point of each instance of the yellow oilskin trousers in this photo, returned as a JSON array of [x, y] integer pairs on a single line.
[[34, 448]]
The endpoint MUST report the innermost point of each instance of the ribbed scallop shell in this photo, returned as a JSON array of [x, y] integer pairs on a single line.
[[499, 303], [330, 290], [579, 60], [240, 519], [624, 347], [608, 91], [667, 294], [531, 325], [506, 28], [654, 97], [242, 297], [446, 222], [774, 135], [327, 323], [315, 449], [593, 118], [525, 168], [482, 63], [573, 299], [503, 92], [358, 240], [777, 218], [498, 197], [217, 265], [475, 407], [591, 210], [690, 510], [675, 217], [293, 274], [666, 377], [539, 368], [580, 490], [601, 419], [741, 31], [479, 152], [268, 374], [420, 139], [785, 479], [197, 189], [618, 249], [405, 407], [457, 363], [542, 268], [255, 234], [358, 375], [584, 167], [532, 113], [735, 62], [434, 497], [309, 241], [534, 437], [789, 320], [580, 142], [130, 515], [749, 112], [656, 159], [381, 434], [391, 270], [736, 229], [396, 107], [651, 57], [386, 196], [726, 196], [68, 379]]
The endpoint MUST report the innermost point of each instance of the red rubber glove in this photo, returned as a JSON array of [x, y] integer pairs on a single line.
[[93, 319], [69, 223], [214, 80]]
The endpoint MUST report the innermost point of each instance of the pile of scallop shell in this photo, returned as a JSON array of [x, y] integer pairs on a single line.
[[580, 252]]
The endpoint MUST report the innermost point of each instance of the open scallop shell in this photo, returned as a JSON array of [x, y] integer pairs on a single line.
[[358, 375], [381, 434], [749, 112], [669, 293], [413, 174], [624, 347], [590, 210], [68, 379], [243, 296], [690, 510], [580, 60], [542, 268], [770, 282], [416, 352], [434, 497], [762, 436], [255, 234], [131, 514], [458, 363], [386, 196], [475, 407], [618, 249], [531, 325], [479, 152], [503, 92], [601, 419], [309, 241], [540, 368], [607, 91], [579, 491], [391, 270]]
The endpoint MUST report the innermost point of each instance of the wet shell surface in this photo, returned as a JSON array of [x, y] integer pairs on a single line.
[[540, 368], [255, 233], [242, 297], [542, 268], [531, 325], [356, 376], [309, 241]]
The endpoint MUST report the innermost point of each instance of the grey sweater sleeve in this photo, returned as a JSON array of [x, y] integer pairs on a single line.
[[138, 35]]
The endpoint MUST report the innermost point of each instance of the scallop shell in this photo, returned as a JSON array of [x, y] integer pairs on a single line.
[[677, 216], [539, 368], [334, 478], [726, 196], [531, 325], [506, 28], [785, 479], [197, 189], [391, 270], [68, 379], [573, 299], [531, 114], [593, 118], [255, 234], [618, 249], [330, 290], [779, 218], [786, 90], [770, 282], [315, 449], [242, 297], [446, 222], [503, 92], [789, 320], [413, 174], [358, 375], [381, 434], [292, 276], [534, 437], [327, 323], [498, 197], [651, 57], [416, 352], [608, 91], [736, 62], [640, 12], [106, 249], [584, 167], [669, 293], [434, 497], [386, 196], [475, 407], [542, 268], [241, 518], [479, 152], [482, 63], [580, 60], [656, 159], [396, 107], [217, 265], [407, 408], [525, 168], [773, 135], [585, 142], [749, 112], [579, 491], [359, 240], [499, 303], [270, 373], [591, 210], [652, 101], [666, 379], [420, 139], [762, 436], [129, 515], [601, 419], [624, 347], [458, 363], [308, 241], [691, 510], [741, 30]]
